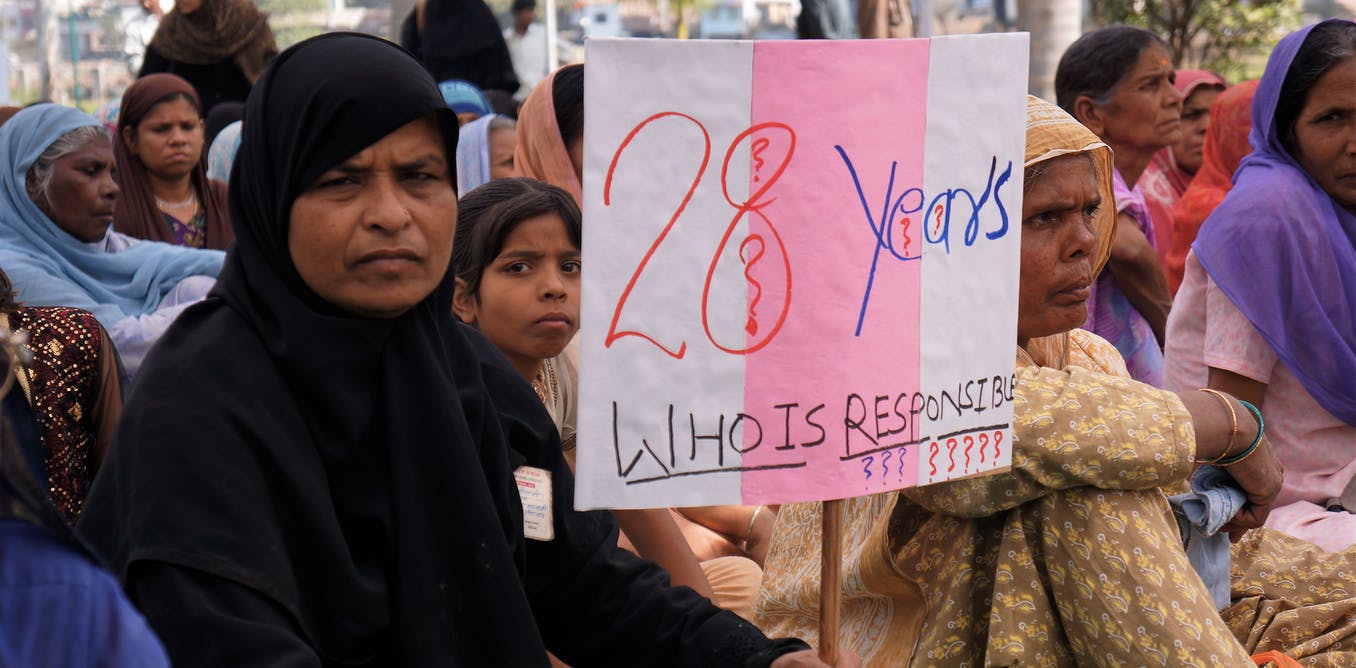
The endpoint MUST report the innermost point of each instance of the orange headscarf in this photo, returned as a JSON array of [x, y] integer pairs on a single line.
[[1051, 133], [541, 153], [1226, 144], [1163, 181]]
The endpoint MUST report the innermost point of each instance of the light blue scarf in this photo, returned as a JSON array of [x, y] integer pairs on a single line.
[[473, 154], [1213, 500], [48, 266]]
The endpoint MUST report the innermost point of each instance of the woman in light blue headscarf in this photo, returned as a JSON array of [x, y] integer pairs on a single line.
[[485, 151], [222, 154], [57, 197], [465, 100]]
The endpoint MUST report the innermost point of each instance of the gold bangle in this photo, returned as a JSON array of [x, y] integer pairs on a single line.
[[1233, 420], [748, 533]]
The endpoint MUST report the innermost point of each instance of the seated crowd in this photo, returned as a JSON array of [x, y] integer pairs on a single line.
[[266, 391]]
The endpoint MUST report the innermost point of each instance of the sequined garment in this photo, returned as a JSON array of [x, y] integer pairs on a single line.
[[63, 384], [1071, 558]]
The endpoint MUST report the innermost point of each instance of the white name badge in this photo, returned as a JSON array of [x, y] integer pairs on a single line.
[[534, 488]]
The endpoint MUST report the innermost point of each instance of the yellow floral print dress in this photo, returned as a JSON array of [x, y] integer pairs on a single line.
[[1072, 557]]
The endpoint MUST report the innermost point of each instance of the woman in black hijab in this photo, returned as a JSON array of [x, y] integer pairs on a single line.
[[317, 465], [460, 39]]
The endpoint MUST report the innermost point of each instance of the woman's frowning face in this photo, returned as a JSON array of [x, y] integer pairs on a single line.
[[373, 235], [168, 140], [1059, 208]]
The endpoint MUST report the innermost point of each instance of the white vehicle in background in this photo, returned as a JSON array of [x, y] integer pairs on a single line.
[[601, 20], [728, 19]]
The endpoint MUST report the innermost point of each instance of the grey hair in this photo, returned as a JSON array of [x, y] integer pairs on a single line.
[[1097, 62], [39, 177], [502, 122]]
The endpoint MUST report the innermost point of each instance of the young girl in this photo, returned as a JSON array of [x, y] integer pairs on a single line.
[[551, 148], [516, 257]]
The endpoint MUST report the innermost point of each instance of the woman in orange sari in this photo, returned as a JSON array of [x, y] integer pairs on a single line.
[[1226, 143]]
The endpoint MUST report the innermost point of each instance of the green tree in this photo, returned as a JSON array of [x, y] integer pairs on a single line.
[[1228, 36]]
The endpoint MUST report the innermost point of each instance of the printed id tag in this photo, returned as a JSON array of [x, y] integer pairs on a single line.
[[534, 487]]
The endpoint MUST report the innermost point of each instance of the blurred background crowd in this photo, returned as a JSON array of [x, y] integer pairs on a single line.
[[86, 52]]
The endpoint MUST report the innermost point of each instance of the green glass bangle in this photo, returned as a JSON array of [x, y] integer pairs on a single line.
[[1261, 429]]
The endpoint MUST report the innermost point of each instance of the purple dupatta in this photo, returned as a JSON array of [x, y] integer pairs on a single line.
[[1285, 254]]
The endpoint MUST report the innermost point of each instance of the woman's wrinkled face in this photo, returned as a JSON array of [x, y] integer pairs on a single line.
[[169, 139], [1145, 110], [502, 144], [373, 235], [83, 192], [1325, 133], [1189, 153], [1058, 243]]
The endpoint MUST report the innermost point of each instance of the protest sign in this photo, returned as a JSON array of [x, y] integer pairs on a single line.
[[801, 267]]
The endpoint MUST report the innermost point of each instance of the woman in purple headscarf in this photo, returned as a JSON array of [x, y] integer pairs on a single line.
[[1267, 310]]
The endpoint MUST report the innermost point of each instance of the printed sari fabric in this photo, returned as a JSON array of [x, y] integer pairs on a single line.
[[1071, 558]]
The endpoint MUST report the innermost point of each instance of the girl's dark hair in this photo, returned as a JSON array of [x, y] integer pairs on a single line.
[[567, 92], [1329, 43], [488, 214], [222, 115], [176, 95], [1098, 61]]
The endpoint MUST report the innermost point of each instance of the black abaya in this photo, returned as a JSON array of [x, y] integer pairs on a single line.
[[461, 39]]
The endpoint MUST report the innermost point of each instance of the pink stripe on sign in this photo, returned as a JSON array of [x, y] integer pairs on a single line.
[[832, 360]]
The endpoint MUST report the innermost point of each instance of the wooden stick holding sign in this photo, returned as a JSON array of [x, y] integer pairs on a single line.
[[792, 302], [830, 581]]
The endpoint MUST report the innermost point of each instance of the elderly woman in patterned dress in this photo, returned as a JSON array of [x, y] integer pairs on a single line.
[[1072, 557]]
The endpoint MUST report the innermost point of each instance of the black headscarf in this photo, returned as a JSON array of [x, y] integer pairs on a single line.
[[218, 118], [461, 39], [330, 462]]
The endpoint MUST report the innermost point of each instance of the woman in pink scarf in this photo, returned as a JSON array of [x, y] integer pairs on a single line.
[[1167, 177]]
